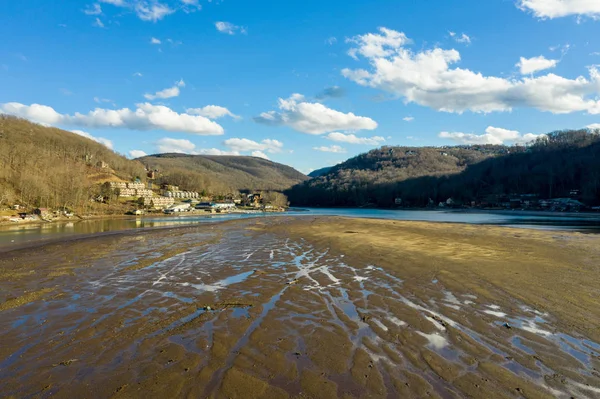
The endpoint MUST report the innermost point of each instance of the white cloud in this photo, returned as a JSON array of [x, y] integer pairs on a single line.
[[191, 5], [313, 118], [102, 100], [212, 112], [98, 23], [229, 28], [408, 119], [118, 3], [167, 93], [216, 151], [146, 10], [155, 41], [462, 38], [561, 8], [333, 148], [594, 126], [244, 145], [175, 145], [137, 154], [94, 9], [138, 74], [373, 45], [105, 142], [426, 78], [175, 43], [260, 154], [152, 12], [493, 135], [145, 117], [353, 139], [531, 65], [331, 40]]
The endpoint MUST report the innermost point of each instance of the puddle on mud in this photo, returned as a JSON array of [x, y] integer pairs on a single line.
[[356, 329]]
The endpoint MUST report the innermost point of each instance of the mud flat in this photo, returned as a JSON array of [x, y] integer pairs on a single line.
[[304, 307]]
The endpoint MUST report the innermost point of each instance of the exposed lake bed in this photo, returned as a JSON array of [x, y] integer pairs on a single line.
[[323, 307]]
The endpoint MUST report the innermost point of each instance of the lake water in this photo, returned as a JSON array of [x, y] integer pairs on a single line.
[[13, 235]]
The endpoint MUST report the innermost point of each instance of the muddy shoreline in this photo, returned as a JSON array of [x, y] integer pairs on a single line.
[[303, 307]]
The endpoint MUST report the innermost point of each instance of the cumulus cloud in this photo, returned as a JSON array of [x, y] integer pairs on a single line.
[[333, 148], [137, 154], [353, 139], [215, 151], [531, 65], [155, 41], [561, 8], [259, 154], [594, 126], [181, 146], [331, 40], [167, 93], [137, 74], [152, 11], [493, 135], [408, 119], [313, 118], [229, 28], [244, 145], [427, 78], [145, 117], [331, 92], [212, 112], [462, 38], [98, 23], [105, 142]]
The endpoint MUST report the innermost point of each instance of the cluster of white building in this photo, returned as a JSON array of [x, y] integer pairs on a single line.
[[131, 189], [181, 194], [158, 202]]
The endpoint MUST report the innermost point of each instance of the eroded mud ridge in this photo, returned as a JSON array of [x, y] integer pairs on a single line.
[[239, 313]]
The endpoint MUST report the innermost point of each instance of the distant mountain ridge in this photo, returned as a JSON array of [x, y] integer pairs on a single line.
[[556, 165], [221, 174], [320, 172]]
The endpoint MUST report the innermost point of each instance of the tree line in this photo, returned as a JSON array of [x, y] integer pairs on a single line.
[[551, 167]]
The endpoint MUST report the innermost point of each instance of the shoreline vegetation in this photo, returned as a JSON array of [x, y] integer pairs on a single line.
[[399, 308]]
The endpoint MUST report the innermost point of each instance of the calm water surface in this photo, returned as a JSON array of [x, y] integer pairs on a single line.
[[12, 235]]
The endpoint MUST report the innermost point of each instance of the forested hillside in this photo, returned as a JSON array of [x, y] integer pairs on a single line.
[[222, 174], [551, 167], [48, 167], [320, 172]]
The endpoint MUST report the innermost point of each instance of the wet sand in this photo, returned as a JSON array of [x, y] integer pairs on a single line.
[[304, 307]]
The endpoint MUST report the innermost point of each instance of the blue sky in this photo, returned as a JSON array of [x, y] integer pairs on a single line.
[[306, 83]]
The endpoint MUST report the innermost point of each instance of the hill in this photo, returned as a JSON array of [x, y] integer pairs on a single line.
[[553, 167], [320, 172], [222, 174], [48, 167]]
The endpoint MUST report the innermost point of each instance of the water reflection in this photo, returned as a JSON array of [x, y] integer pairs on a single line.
[[19, 234]]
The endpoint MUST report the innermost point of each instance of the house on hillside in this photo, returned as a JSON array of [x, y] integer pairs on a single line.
[[253, 199], [42, 212], [102, 165]]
